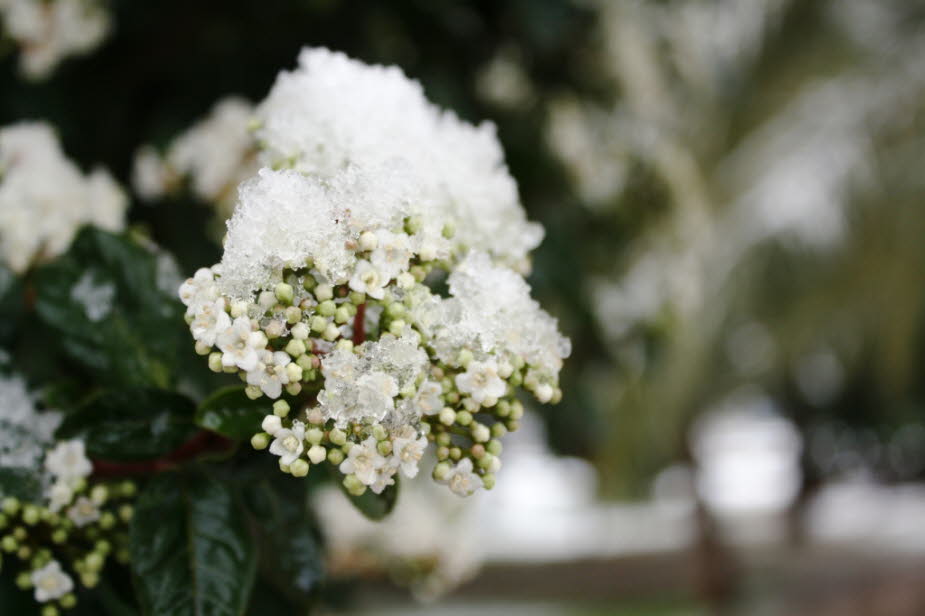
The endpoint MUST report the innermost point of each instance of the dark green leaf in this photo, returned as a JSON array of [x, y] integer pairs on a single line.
[[21, 483], [14, 601], [190, 548], [12, 304], [108, 302], [375, 506], [131, 424], [231, 413]]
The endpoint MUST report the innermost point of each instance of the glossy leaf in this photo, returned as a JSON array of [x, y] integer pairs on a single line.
[[232, 414], [131, 424], [191, 550], [22, 483]]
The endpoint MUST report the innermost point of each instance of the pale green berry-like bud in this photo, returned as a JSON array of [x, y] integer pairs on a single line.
[[441, 470], [281, 408], [294, 388], [379, 432], [443, 453], [488, 481], [253, 392], [556, 396], [324, 292], [314, 436], [503, 409], [397, 326], [331, 332], [293, 315], [413, 224], [317, 454], [10, 505], [318, 324], [238, 308], [447, 416], [215, 362], [498, 430], [368, 241], [315, 416], [455, 453], [443, 439], [396, 310], [49, 610], [294, 372], [107, 520], [299, 331], [284, 293], [448, 231], [516, 379], [327, 308], [517, 409], [341, 315], [477, 451], [512, 425], [283, 467], [89, 579], [309, 282], [299, 468], [9, 543], [337, 437], [418, 272], [202, 348], [128, 488], [94, 561], [260, 441], [295, 348], [31, 515], [494, 447], [485, 462], [126, 512], [480, 433], [335, 456], [354, 485], [68, 601], [357, 298], [20, 534], [489, 402], [24, 552], [24, 580], [464, 418], [408, 391], [234, 370], [544, 392], [344, 344], [464, 358], [384, 448]]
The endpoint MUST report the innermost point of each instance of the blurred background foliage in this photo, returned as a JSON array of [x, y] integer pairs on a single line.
[[730, 190]]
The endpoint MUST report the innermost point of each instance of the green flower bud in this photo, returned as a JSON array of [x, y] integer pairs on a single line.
[[295, 348], [318, 324], [327, 308], [59, 536], [24, 552], [20, 534], [94, 561], [413, 224], [284, 293], [68, 601], [488, 481], [89, 579], [281, 408], [10, 505], [99, 494], [331, 332], [202, 348], [283, 467], [253, 392], [384, 448], [317, 454], [464, 418], [103, 547], [344, 344], [498, 430], [309, 282], [260, 440], [443, 439], [49, 610], [485, 461], [512, 425], [396, 310], [477, 451], [396, 327], [455, 453], [107, 520], [293, 315], [443, 453], [480, 433], [324, 292], [337, 436], [342, 315], [494, 447], [128, 488], [517, 409], [464, 358], [24, 580], [354, 485], [335, 456], [215, 362], [441, 470], [299, 468], [126, 512], [379, 433], [447, 416], [31, 515]]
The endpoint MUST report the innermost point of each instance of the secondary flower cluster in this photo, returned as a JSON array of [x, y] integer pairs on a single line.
[[330, 285], [47, 31], [45, 199], [74, 522], [211, 158]]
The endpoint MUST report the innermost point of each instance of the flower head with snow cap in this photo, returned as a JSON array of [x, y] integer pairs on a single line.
[[327, 275]]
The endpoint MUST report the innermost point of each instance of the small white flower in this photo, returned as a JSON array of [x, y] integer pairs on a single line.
[[392, 255], [51, 583], [481, 381], [59, 495], [367, 279], [289, 443], [384, 479], [210, 322], [376, 392], [272, 424], [198, 290], [83, 512], [407, 454], [270, 373], [239, 344], [68, 460], [427, 399], [364, 461], [462, 480]]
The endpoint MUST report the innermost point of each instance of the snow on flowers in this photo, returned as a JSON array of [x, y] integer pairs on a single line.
[[328, 297]]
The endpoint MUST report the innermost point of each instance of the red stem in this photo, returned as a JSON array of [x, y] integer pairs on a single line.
[[359, 325], [202, 442]]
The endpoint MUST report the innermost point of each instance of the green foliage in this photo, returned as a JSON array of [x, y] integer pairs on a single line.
[[21, 483], [375, 506], [131, 424], [231, 413], [191, 549]]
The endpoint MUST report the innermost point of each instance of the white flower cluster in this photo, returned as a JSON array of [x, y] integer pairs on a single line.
[[45, 199], [25, 433], [213, 156], [327, 287], [47, 31]]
